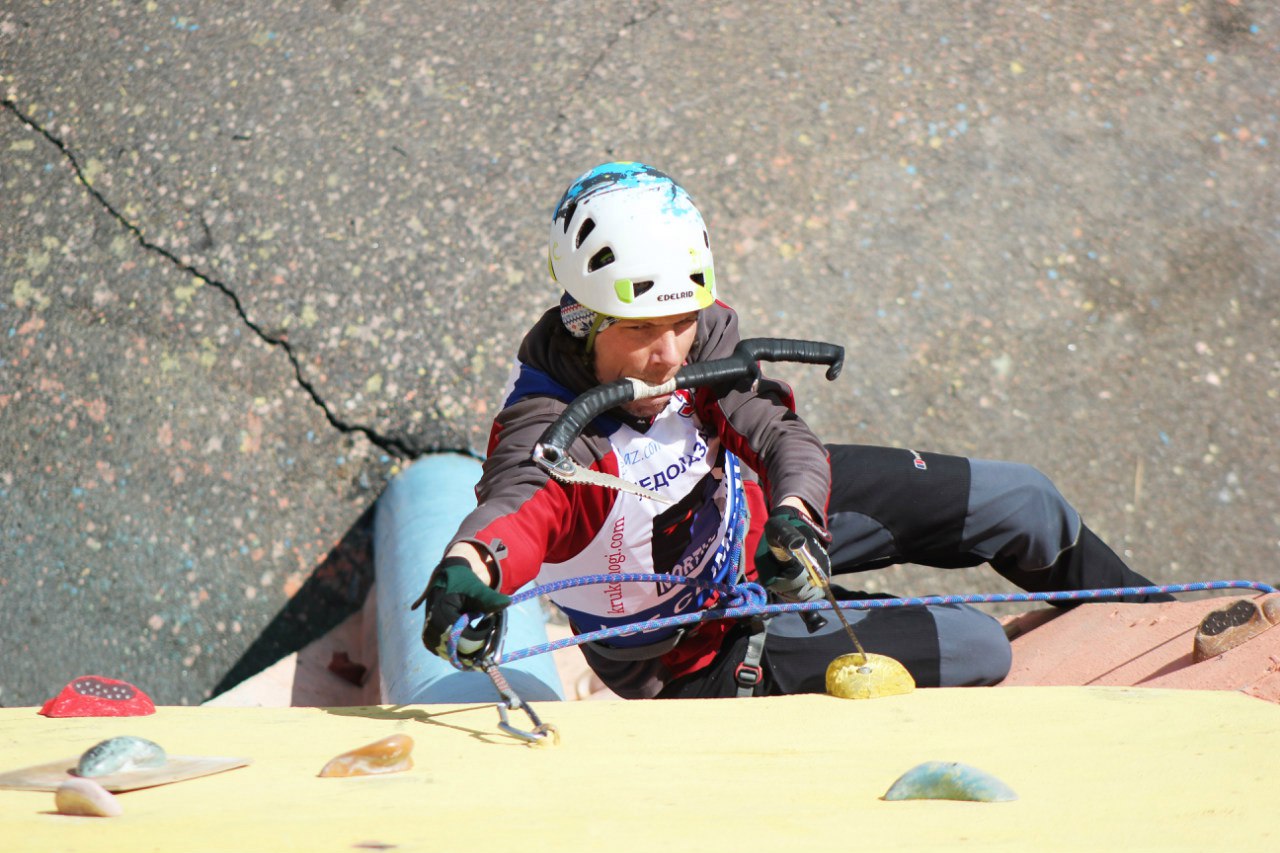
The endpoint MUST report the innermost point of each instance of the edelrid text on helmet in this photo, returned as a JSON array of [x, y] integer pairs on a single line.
[[627, 241]]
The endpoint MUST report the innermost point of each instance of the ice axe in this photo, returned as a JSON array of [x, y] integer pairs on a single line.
[[853, 676], [552, 450]]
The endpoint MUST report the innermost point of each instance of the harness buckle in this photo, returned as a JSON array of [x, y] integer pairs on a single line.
[[748, 674]]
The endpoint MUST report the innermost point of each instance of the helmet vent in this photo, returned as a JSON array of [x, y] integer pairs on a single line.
[[699, 279], [600, 259], [640, 288], [587, 227], [706, 239]]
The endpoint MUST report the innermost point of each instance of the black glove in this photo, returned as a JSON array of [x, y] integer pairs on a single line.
[[788, 529], [452, 592]]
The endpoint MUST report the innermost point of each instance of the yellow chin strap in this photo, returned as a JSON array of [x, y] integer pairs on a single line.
[[596, 326]]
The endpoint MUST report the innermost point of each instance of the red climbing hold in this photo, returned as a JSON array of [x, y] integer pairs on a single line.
[[99, 696]]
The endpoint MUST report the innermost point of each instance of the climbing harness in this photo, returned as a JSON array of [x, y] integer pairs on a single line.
[[749, 674]]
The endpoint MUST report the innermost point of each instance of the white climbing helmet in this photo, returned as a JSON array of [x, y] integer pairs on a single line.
[[627, 242]]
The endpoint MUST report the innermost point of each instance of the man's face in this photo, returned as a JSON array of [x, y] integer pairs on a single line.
[[649, 350]]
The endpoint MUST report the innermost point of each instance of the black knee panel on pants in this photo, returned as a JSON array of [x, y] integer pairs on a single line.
[[925, 506]]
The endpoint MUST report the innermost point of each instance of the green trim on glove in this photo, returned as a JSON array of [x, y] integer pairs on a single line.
[[774, 573], [452, 592], [455, 576]]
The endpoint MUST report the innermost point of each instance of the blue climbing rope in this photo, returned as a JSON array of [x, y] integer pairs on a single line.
[[748, 600]]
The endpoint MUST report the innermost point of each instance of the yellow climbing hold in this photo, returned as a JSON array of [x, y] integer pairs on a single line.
[[392, 754], [870, 676]]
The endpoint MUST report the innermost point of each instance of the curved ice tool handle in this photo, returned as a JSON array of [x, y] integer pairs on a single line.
[[552, 449]]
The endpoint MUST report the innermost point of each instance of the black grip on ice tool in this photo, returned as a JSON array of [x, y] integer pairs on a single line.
[[743, 364], [784, 543]]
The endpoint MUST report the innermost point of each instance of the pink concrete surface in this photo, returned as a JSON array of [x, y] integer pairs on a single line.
[[304, 680], [1144, 645]]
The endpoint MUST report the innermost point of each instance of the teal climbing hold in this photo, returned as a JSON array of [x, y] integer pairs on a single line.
[[949, 780]]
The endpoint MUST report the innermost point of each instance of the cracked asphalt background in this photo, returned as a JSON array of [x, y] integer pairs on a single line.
[[255, 257]]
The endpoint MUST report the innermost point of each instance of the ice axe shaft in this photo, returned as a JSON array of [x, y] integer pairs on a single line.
[[788, 544]]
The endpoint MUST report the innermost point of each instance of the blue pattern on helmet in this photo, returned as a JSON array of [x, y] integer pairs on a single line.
[[610, 177]]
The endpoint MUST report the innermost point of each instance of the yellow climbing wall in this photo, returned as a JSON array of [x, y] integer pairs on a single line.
[[1094, 768]]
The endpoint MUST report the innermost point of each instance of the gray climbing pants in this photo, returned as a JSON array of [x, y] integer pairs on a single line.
[[891, 506]]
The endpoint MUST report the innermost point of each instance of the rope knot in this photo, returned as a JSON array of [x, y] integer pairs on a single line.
[[747, 594]]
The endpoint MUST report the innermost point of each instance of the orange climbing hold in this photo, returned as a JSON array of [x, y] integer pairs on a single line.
[[389, 755]]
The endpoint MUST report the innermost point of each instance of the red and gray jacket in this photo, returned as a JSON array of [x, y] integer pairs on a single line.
[[721, 462]]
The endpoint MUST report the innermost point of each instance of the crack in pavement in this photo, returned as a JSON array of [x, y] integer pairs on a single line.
[[636, 20], [399, 447]]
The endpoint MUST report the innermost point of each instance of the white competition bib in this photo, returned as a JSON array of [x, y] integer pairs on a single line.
[[693, 536]]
